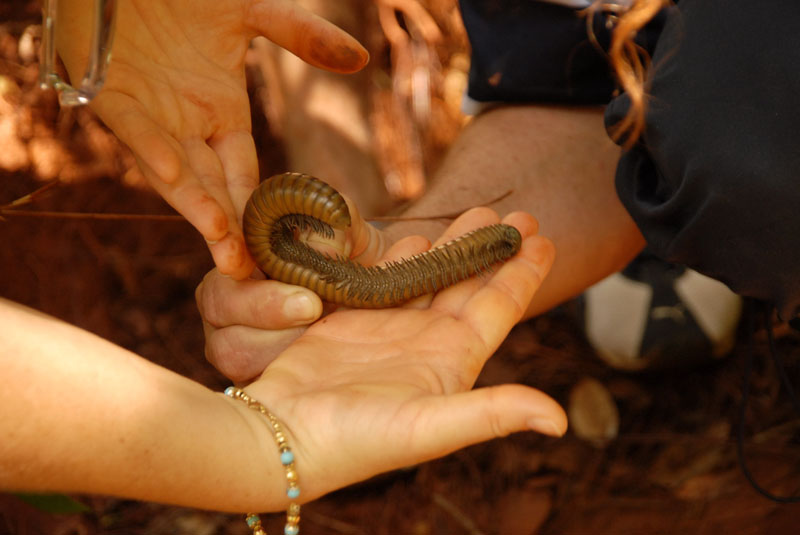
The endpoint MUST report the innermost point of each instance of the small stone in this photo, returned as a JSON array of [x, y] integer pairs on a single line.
[[28, 48], [593, 414]]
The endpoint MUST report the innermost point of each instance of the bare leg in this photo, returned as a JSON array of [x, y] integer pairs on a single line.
[[560, 165]]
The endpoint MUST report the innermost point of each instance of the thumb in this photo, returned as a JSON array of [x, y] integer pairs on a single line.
[[460, 420], [306, 35]]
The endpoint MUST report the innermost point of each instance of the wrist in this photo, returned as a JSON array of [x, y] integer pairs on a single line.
[[267, 487], [286, 458]]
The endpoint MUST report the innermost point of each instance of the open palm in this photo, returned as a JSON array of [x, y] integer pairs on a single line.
[[176, 95], [374, 390]]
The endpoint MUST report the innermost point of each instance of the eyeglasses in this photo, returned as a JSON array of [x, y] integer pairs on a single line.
[[99, 54]]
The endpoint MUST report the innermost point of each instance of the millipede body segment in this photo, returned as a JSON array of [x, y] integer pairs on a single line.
[[286, 203]]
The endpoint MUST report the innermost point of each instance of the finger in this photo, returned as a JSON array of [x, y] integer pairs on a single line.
[[161, 161], [454, 298], [263, 304], [467, 222], [231, 256], [405, 248], [242, 353], [237, 154], [502, 300], [334, 246], [149, 141], [229, 253], [470, 220], [526, 224], [207, 169], [368, 243], [308, 36], [452, 422], [188, 196], [343, 241]]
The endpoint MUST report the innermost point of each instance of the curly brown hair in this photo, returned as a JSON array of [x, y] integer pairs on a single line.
[[629, 60]]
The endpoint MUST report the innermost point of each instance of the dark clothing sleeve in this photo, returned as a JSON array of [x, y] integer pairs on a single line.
[[715, 181], [529, 51]]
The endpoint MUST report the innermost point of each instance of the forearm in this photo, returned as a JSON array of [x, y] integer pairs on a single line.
[[560, 164], [80, 414]]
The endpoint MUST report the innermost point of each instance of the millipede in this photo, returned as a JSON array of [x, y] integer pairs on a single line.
[[286, 203]]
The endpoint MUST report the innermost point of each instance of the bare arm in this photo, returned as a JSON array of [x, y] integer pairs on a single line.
[[359, 393], [560, 164], [81, 414]]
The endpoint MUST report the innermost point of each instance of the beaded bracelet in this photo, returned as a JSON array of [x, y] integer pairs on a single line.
[[287, 460]]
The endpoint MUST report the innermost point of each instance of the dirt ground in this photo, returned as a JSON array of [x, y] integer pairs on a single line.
[[671, 469]]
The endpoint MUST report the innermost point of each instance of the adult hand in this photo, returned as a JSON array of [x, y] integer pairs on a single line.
[[247, 323], [365, 391], [176, 95]]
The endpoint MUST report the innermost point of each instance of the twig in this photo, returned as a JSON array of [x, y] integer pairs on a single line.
[[456, 513], [25, 199], [451, 215], [11, 210], [91, 215]]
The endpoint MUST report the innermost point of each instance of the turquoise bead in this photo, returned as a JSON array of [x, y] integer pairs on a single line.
[[287, 457], [291, 529], [293, 492]]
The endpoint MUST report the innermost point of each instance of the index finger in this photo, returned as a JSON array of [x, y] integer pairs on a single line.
[[500, 303], [237, 154], [308, 36]]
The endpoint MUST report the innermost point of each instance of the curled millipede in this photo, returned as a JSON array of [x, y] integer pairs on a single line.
[[285, 203]]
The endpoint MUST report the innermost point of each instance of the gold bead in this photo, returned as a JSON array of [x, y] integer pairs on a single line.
[[294, 509], [292, 519], [253, 521], [291, 474]]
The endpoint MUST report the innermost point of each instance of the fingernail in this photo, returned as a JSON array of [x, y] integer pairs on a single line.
[[545, 426], [300, 307]]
